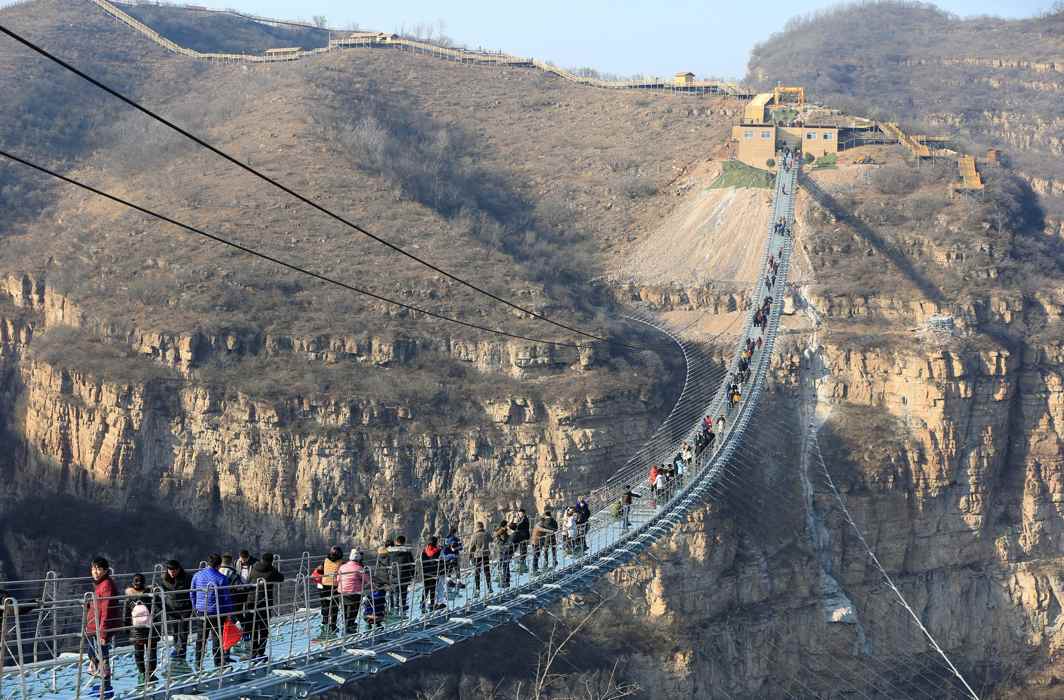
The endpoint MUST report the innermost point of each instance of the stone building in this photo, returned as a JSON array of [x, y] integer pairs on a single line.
[[760, 134]]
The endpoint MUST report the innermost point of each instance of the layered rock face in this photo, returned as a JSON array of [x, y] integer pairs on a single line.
[[948, 457], [227, 468], [944, 443]]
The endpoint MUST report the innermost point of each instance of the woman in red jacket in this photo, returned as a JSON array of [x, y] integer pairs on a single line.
[[102, 619]]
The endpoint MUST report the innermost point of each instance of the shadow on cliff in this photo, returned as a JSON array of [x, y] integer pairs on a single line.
[[65, 531], [881, 246]]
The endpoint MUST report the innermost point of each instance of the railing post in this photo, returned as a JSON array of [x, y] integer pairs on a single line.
[[371, 626], [4, 604], [151, 651], [396, 589], [81, 643], [42, 613], [419, 573], [218, 653], [296, 585], [156, 572], [165, 633], [310, 616]]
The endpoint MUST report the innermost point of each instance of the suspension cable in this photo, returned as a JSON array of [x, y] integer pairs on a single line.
[[886, 576], [288, 190], [270, 258]]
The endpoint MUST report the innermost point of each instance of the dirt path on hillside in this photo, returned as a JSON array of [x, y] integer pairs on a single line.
[[716, 234]]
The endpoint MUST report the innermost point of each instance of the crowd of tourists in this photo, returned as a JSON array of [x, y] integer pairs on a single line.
[[227, 604]]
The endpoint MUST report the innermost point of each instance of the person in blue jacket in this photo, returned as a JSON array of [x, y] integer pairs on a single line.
[[212, 602]]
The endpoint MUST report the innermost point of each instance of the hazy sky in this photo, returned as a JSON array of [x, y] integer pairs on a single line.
[[709, 38]]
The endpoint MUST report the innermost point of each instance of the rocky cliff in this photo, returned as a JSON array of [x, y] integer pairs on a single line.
[[939, 423], [141, 435]]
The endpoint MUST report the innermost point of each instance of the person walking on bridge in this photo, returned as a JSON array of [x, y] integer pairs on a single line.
[[327, 597], [402, 560], [236, 591], [543, 535], [212, 603], [102, 619], [176, 583], [244, 565], [263, 577], [351, 580], [504, 552], [571, 529], [480, 553], [431, 570], [522, 532], [664, 484], [452, 555], [381, 580], [626, 506], [583, 518], [142, 613]]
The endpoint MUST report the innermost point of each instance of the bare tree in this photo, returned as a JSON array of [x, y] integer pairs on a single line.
[[579, 686], [439, 693]]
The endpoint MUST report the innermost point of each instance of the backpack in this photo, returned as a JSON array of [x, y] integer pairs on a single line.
[[141, 615]]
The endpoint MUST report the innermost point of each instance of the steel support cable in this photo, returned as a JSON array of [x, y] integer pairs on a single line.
[[270, 258], [882, 570], [666, 433], [719, 399], [653, 446], [628, 472], [735, 480], [938, 676], [284, 188], [862, 682], [683, 390], [661, 447]]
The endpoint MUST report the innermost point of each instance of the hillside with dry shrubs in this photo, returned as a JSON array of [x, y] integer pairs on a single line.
[[511, 178], [986, 82]]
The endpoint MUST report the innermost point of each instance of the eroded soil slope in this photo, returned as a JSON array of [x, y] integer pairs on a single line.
[[710, 235]]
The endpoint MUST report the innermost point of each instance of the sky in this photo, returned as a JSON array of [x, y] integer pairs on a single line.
[[710, 38]]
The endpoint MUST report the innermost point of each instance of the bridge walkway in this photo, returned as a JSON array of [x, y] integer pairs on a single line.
[[300, 662]]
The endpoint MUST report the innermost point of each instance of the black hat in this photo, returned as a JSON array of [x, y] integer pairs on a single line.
[[173, 564]]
